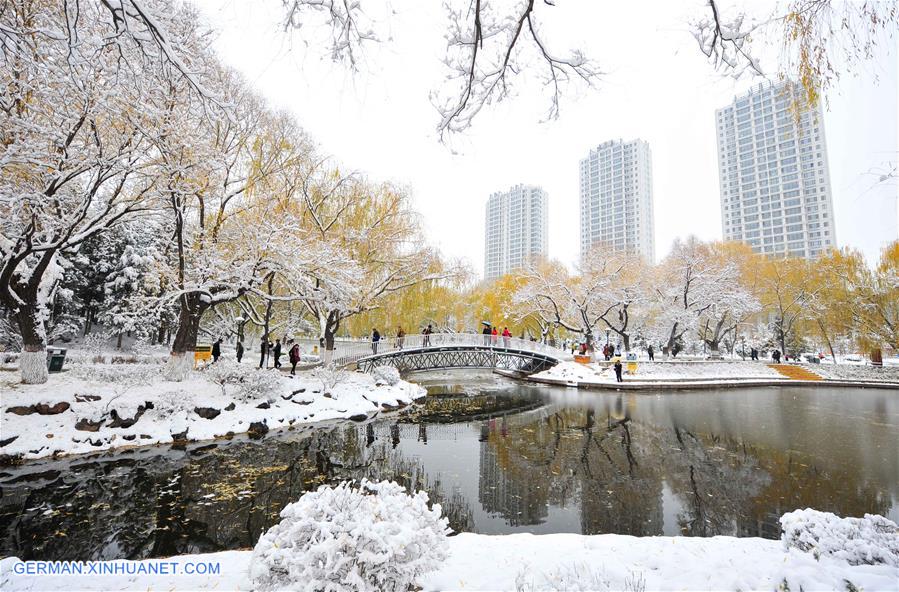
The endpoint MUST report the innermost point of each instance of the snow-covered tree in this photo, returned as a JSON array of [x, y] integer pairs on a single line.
[[74, 146], [698, 289]]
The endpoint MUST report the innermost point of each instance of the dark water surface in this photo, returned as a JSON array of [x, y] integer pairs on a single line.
[[500, 457]]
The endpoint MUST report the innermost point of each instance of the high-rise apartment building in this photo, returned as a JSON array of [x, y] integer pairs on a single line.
[[516, 232], [772, 168], [616, 199]]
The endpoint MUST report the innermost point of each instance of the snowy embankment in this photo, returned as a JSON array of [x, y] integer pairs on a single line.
[[97, 407], [547, 562], [649, 371]]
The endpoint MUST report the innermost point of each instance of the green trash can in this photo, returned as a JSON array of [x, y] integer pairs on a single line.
[[55, 358]]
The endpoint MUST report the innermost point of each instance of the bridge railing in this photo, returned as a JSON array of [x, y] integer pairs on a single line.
[[349, 351]]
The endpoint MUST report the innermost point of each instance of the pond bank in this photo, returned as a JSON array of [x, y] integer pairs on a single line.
[[102, 407], [696, 375]]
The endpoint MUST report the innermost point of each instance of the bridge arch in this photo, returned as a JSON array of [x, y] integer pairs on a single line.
[[417, 353]]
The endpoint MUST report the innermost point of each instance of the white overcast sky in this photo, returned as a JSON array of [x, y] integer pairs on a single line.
[[657, 87]]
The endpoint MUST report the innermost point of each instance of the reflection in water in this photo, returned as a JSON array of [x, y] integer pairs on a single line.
[[514, 458]]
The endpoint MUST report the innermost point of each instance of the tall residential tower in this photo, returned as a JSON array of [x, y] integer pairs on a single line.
[[516, 231], [616, 199], [772, 168]]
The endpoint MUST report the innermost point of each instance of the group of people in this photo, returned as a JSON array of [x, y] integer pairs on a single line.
[[400, 340], [267, 350], [491, 335]]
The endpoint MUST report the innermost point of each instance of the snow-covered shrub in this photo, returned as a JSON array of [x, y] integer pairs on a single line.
[[130, 375], [330, 376], [859, 541], [369, 537], [250, 383], [578, 576], [96, 342], [386, 375]]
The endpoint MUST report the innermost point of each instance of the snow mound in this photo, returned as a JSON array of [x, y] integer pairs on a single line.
[[571, 372], [367, 538], [870, 540]]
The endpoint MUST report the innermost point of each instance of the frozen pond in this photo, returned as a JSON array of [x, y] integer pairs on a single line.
[[500, 456]]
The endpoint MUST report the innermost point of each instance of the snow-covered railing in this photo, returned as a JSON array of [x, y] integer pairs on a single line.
[[349, 351]]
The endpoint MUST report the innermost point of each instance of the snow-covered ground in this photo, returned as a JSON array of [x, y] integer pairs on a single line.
[[94, 407], [544, 562], [706, 371], [856, 372], [595, 373]]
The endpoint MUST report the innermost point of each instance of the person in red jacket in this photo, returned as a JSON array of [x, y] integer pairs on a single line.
[[294, 356], [493, 337], [506, 336]]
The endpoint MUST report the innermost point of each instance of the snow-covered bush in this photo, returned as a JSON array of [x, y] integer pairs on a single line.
[[130, 374], [369, 537], [250, 383], [330, 376], [859, 541], [95, 342], [386, 375]]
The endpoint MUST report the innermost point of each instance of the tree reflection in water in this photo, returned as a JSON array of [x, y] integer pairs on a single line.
[[510, 461]]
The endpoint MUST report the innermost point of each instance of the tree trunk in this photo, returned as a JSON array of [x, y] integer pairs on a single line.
[[33, 357], [182, 357]]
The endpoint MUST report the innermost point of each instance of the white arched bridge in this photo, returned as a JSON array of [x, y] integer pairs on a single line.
[[418, 352]]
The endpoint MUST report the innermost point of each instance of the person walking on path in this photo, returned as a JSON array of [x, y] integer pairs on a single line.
[[652, 353], [506, 336], [400, 337], [775, 355], [277, 352], [753, 354], [216, 350], [486, 333], [263, 350], [239, 351], [375, 338], [294, 356], [618, 370], [426, 342]]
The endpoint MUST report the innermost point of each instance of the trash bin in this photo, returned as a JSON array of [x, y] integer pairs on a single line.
[[55, 358]]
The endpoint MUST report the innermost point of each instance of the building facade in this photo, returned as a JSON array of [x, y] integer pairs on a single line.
[[773, 173], [616, 199], [515, 230]]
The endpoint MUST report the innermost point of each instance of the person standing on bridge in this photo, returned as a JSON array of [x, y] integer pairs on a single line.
[[400, 337], [294, 356], [493, 337], [506, 336], [375, 338], [426, 340], [486, 333]]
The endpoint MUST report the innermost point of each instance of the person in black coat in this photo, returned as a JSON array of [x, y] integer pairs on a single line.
[[652, 353], [277, 352], [375, 338], [239, 351], [216, 351], [263, 350], [618, 371]]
